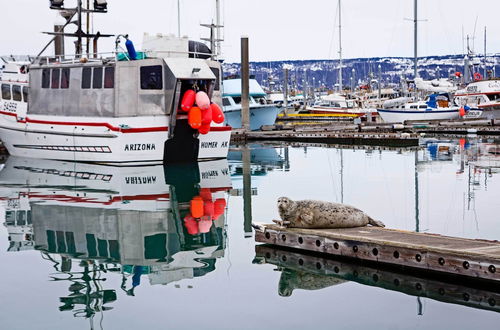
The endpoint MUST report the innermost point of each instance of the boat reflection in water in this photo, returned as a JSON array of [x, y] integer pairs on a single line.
[[314, 272], [90, 220]]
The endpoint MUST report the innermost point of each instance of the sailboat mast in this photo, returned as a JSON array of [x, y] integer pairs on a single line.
[[178, 18], [217, 22], [340, 48], [415, 23]]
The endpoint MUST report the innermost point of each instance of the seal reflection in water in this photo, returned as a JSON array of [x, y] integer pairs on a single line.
[[318, 214]]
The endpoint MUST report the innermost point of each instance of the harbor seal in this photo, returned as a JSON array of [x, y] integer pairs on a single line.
[[318, 214]]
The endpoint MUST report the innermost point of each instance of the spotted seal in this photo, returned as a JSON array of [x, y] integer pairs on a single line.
[[318, 214]]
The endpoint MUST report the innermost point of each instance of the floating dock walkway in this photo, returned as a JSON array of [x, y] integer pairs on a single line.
[[479, 259]]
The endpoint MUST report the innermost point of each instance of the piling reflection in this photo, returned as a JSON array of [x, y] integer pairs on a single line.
[[91, 221], [314, 272]]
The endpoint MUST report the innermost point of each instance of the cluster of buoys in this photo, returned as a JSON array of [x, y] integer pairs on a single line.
[[201, 112], [203, 211], [463, 110]]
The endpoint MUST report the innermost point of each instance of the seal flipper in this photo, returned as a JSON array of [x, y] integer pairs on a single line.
[[375, 223]]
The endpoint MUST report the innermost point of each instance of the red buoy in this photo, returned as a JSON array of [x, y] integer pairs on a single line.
[[202, 100], [188, 100], [208, 209], [206, 116], [191, 225], [217, 113], [194, 117], [204, 128], [204, 226], [219, 207], [206, 194], [196, 207]]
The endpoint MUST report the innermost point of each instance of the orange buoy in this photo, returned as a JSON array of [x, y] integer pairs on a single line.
[[206, 194], [206, 116], [202, 100], [188, 100], [217, 113], [204, 226], [194, 117], [196, 207], [191, 224], [462, 112], [204, 129], [208, 209]]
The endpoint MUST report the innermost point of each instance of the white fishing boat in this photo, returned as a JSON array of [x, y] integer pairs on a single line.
[[483, 95], [434, 107], [109, 108], [337, 105], [261, 112]]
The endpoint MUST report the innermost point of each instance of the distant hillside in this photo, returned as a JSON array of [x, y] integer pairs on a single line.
[[325, 72]]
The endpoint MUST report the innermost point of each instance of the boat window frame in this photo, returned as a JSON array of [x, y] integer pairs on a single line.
[[65, 78], [109, 77], [25, 92], [226, 100], [46, 78], [55, 78], [86, 78], [146, 80], [97, 77], [5, 96], [17, 93]]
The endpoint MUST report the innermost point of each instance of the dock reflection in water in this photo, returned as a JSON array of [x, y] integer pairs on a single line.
[[315, 272], [92, 222]]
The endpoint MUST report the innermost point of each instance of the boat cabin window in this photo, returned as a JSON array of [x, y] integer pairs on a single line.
[[237, 99], [225, 102], [86, 77], [423, 107], [16, 93], [6, 94], [56, 74], [26, 90], [494, 97], [151, 77], [45, 78], [216, 72], [109, 77], [97, 78], [413, 106], [65, 78]]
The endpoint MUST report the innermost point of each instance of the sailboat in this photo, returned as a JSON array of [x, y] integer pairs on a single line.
[[437, 106]]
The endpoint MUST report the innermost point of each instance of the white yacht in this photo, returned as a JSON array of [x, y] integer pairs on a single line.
[[261, 112], [484, 95]]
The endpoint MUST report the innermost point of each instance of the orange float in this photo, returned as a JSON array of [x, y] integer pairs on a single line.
[[194, 117], [462, 112], [202, 100], [188, 100], [217, 113], [196, 207], [206, 116]]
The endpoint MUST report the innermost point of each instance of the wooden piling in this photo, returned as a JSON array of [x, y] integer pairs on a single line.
[[245, 85]]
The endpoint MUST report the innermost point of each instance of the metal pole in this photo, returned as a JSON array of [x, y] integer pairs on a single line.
[[79, 41], [379, 82], [217, 22], [245, 85], [340, 48], [415, 22], [484, 73], [88, 29], [247, 192], [179, 18], [304, 88]]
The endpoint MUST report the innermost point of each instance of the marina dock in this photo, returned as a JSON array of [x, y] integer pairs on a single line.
[[473, 258]]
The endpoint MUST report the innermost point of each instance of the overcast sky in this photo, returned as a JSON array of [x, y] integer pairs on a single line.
[[277, 29]]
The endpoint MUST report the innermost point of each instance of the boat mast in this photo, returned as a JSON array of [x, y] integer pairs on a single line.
[[179, 18], [218, 34], [415, 23], [484, 73], [340, 48]]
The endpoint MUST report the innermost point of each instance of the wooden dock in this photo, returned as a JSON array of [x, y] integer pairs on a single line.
[[479, 259], [311, 272]]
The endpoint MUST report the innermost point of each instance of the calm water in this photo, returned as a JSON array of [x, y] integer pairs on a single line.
[[87, 246]]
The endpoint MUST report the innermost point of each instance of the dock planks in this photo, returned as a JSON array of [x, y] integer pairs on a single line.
[[431, 252]]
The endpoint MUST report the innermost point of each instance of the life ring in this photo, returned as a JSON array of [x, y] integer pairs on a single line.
[[477, 76]]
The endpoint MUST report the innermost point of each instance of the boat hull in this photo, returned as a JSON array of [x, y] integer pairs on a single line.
[[259, 116], [134, 141], [400, 116]]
